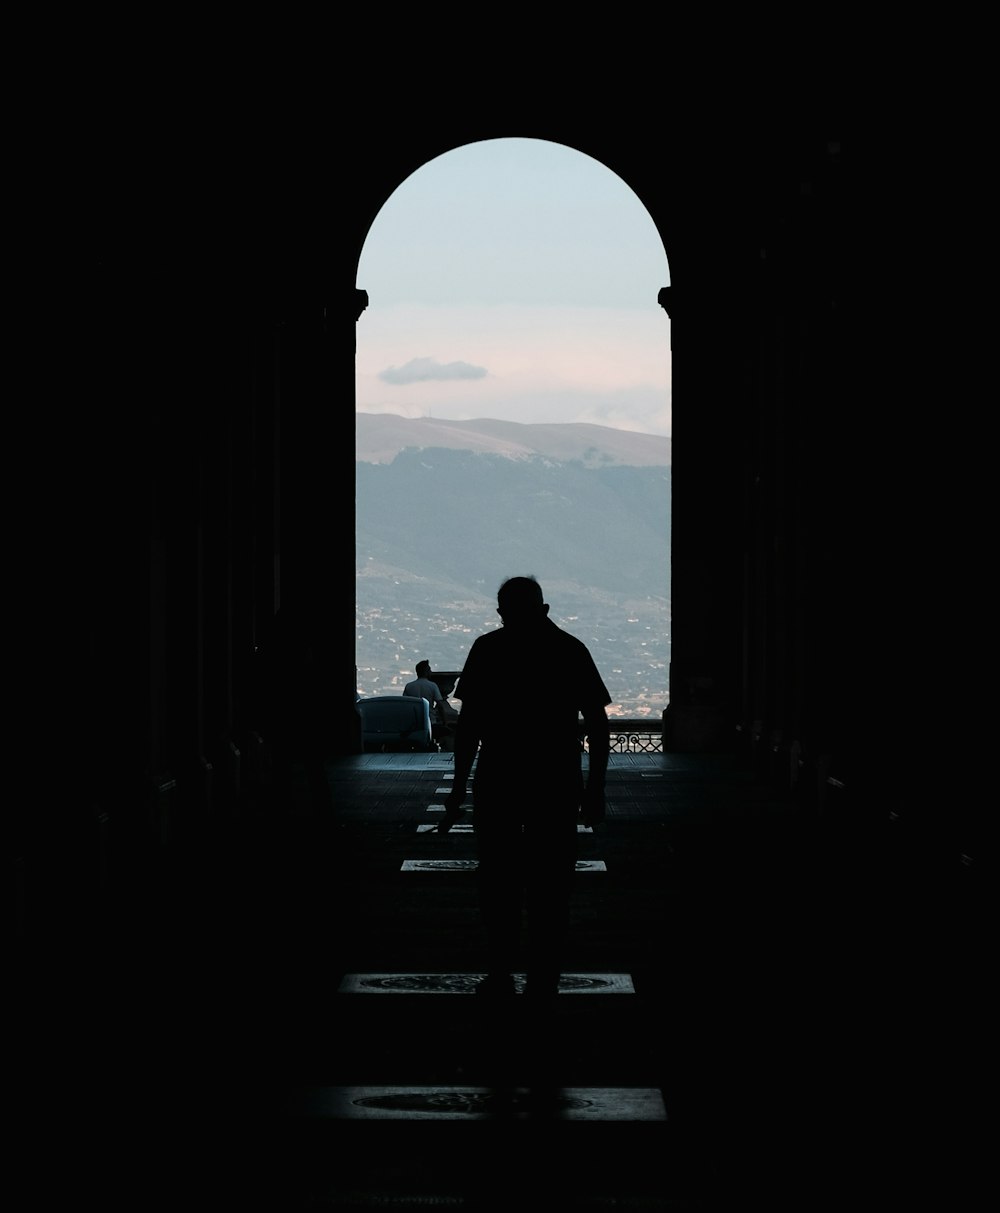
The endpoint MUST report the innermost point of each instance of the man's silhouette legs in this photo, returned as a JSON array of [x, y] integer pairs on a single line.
[[526, 852], [498, 837], [550, 864]]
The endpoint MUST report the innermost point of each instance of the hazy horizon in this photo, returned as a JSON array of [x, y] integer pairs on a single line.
[[515, 279], [514, 282], [380, 436]]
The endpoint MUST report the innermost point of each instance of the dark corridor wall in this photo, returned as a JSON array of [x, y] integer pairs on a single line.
[[188, 213], [201, 478]]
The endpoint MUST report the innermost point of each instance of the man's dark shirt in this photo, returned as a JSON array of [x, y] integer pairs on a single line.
[[542, 724]]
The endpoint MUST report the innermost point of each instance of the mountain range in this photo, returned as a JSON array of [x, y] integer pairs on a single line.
[[380, 437], [446, 510]]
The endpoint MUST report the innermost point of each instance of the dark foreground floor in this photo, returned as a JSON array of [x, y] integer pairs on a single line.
[[286, 1022]]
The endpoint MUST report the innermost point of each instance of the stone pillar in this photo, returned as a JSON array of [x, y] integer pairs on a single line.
[[704, 565]]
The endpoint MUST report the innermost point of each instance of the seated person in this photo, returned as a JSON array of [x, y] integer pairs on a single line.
[[425, 686]]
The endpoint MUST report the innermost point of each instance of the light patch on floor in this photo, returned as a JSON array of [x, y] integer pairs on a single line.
[[465, 983], [438, 1103], [465, 827], [470, 865]]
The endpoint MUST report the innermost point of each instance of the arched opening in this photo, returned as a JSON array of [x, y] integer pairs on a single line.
[[514, 415]]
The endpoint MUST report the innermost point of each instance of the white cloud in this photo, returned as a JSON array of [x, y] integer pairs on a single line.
[[423, 370], [527, 258], [606, 366]]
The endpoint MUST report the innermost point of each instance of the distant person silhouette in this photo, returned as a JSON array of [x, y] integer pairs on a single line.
[[443, 715], [528, 791], [425, 687]]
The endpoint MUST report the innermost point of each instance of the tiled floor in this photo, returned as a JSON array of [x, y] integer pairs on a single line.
[[244, 1060], [655, 907]]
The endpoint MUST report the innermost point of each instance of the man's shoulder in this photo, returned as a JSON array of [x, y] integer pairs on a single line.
[[567, 639], [486, 640], [482, 653]]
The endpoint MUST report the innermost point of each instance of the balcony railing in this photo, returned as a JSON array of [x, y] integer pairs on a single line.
[[643, 735], [629, 735]]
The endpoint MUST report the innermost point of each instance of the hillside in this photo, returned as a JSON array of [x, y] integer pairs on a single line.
[[439, 528], [380, 437]]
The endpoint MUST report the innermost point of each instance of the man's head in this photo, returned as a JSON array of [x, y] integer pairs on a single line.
[[520, 601], [423, 669]]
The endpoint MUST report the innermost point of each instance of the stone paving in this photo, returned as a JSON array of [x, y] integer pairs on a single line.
[[696, 860], [709, 982]]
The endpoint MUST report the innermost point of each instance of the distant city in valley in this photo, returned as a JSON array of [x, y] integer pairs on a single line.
[[445, 511], [632, 652]]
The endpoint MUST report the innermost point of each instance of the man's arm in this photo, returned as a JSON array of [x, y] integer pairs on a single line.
[[466, 748], [598, 731]]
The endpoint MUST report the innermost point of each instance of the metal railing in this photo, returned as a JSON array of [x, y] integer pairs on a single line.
[[639, 736]]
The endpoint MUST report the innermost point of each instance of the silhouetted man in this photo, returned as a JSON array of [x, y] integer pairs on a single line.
[[528, 791], [425, 687], [443, 715]]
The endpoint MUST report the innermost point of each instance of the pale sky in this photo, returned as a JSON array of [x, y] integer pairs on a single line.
[[515, 279]]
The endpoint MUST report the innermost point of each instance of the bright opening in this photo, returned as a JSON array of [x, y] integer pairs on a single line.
[[514, 416]]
